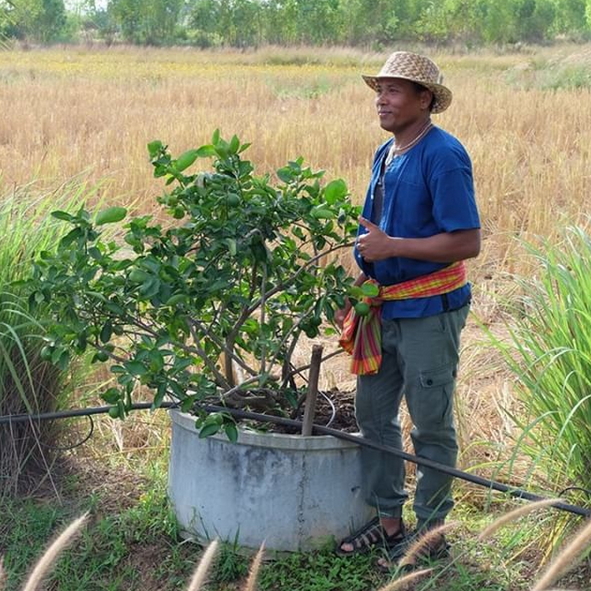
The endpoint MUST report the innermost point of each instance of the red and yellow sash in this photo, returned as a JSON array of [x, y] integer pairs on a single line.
[[362, 335]]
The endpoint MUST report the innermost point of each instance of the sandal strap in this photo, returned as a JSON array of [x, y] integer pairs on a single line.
[[372, 534], [368, 536]]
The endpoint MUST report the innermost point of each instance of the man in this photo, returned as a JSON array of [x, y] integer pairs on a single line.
[[419, 222]]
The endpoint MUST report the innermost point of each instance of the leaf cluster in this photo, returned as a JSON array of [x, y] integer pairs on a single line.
[[241, 268]]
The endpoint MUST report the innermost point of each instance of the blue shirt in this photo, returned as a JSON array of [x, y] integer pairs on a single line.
[[426, 191]]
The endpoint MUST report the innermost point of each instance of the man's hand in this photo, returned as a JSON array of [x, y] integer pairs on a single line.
[[445, 247], [376, 245]]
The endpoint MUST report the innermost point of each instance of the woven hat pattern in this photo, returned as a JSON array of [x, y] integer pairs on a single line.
[[417, 68]]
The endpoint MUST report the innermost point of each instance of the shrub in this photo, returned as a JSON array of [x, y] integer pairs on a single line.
[[243, 269]]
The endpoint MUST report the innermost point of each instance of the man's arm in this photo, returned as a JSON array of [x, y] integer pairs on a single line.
[[446, 247]]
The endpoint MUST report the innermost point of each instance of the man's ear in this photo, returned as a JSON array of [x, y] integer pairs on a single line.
[[426, 99]]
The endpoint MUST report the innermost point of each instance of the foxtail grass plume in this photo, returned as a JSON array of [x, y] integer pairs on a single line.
[[46, 562], [203, 567], [422, 542], [403, 581], [565, 559], [254, 569], [515, 514]]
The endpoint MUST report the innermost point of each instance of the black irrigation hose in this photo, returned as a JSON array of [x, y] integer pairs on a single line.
[[242, 414]]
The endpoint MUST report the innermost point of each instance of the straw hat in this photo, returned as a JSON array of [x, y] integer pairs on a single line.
[[417, 68]]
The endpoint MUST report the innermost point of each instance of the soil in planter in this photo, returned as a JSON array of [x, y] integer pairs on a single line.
[[334, 409]]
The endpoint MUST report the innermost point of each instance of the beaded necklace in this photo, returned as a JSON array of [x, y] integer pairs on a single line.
[[397, 151]]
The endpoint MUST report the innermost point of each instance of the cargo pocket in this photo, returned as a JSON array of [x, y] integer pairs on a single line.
[[440, 376], [434, 399]]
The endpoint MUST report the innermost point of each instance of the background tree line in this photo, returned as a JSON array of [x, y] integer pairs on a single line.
[[249, 23]]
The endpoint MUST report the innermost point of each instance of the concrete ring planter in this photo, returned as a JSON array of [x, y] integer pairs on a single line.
[[292, 492]]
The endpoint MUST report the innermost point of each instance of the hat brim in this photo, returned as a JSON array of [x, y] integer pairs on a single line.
[[441, 94]]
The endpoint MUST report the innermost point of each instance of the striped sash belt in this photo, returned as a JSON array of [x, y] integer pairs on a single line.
[[362, 335]]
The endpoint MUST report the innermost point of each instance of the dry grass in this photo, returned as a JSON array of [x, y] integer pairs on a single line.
[[73, 110]]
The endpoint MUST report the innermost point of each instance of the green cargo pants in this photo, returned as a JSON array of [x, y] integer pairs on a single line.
[[420, 360]]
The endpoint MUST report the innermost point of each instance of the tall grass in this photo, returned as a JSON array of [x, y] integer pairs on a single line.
[[549, 352], [27, 383]]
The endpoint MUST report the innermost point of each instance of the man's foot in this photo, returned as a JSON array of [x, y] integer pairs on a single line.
[[420, 548], [386, 532]]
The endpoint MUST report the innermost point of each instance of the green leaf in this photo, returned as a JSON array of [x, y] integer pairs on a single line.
[[136, 368], [322, 213], [232, 247], [110, 215], [106, 332], [234, 144], [154, 148], [206, 151], [63, 215], [64, 360], [335, 190], [285, 174], [71, 236], [138, 276], [231, 432], [178, 298], [209, 429], [186, 159]]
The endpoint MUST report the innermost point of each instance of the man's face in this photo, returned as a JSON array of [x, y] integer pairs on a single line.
[[400, 104]]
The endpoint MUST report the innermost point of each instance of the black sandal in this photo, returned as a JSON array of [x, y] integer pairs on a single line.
[[427, 554], [372, 534]]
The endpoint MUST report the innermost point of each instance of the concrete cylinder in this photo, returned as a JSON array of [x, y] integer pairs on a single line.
[[292, 492]]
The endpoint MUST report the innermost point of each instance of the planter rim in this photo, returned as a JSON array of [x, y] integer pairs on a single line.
[[270, 440]]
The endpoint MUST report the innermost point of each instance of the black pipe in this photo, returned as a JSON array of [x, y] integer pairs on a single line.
[[242, 414]]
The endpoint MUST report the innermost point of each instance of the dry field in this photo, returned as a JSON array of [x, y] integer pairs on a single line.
[[78, 112]]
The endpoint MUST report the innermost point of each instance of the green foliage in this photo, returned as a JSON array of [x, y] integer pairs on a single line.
[[36, 20], [28, 384], [244, 268], [251, 23], [320, 571], [550, 354], [149, 22]]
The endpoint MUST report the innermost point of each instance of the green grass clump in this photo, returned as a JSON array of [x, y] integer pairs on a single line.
[[28, 384], [549, 352]]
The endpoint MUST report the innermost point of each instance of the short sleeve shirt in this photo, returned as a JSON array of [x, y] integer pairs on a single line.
[[426, 191]]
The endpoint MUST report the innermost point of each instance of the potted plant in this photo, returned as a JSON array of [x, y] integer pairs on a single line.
[[209, 304]]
